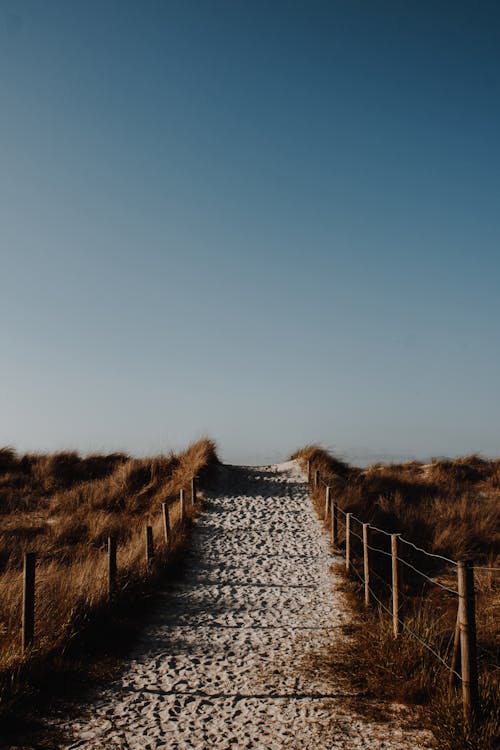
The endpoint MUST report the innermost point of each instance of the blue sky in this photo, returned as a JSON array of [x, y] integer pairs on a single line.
[[269, 222]]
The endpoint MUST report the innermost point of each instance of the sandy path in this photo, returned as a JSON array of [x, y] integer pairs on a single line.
[[226, 660]]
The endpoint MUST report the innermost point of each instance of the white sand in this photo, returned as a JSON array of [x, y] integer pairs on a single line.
[[226, 660]]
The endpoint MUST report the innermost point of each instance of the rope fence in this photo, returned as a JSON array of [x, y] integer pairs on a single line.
[[463, 667], [28, 630], [407, 629]]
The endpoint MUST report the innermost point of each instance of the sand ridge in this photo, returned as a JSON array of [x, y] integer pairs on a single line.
[[225, 661]]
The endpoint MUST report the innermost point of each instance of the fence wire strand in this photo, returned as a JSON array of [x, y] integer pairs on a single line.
[[409, 630], [381, 531], [424, 575], [429, 554], [406, 541]]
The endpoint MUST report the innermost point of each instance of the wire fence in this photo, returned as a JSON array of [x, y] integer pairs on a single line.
[[462, 649], [33, 576], [405, 627], [406, 541]]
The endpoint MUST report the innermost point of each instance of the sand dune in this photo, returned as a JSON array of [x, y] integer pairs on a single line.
[[232, 658]]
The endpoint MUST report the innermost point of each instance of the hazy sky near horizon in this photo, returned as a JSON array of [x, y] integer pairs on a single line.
[[269, 222]]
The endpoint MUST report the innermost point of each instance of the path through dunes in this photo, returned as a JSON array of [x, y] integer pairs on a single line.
[[232, 657]]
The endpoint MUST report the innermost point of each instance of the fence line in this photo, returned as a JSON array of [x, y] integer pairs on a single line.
[[406, 541], [405, 562], [28, 623], [410, 631], [465, 632]]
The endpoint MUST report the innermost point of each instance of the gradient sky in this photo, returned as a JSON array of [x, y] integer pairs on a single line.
[[270, 222]]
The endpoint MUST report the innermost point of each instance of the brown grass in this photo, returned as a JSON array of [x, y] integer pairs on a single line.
[[63, 507], [447, 507]]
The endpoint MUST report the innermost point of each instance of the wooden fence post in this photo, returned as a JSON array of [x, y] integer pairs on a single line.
[[366, 562], [395, 585], [327, 502], [316, 479], [166, 522], [455, 658], [308, 470], [347, 541], [193, 491], [468, 650], [183, 505], [149, 545], [111, 566], [335, 524], [28, 623]]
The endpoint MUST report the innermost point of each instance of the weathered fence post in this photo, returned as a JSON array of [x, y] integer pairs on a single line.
[[366, 562], [455, 657], [193, 491], [149, 545], [111, 566], [467, 614], [347, 541], [166, 522], [316, 479], [327, 502], [395, 585], [28, 623], [183, 505], [335, 524]]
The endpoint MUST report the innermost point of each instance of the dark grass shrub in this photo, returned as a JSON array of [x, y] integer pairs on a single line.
[[8, 460]]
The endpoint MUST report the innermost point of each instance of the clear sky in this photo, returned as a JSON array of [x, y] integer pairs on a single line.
[[270, 222]]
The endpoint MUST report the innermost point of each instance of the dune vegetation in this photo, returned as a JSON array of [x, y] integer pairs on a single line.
[[63, 507], [450, 508]]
